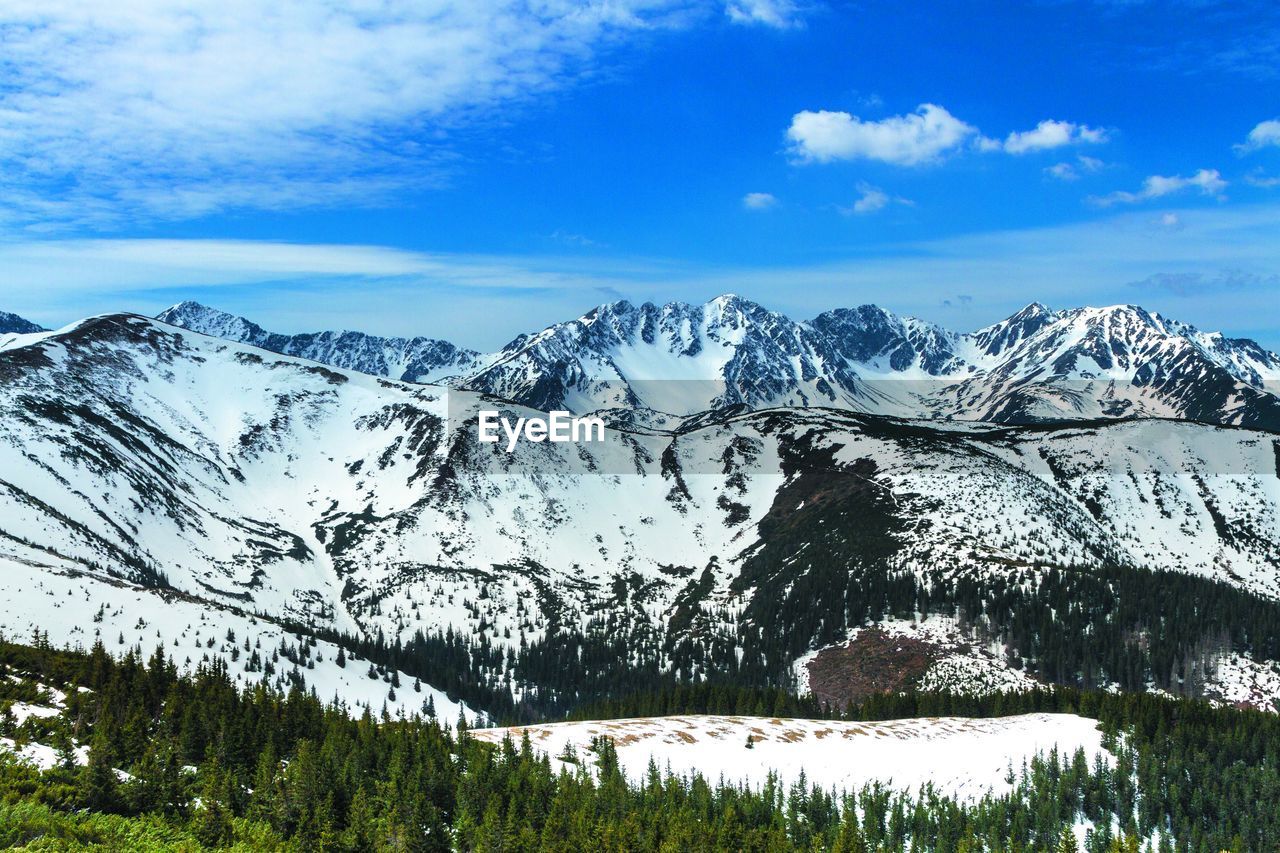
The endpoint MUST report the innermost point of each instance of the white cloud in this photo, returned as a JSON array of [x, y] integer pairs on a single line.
[[1062, 171], [759, 201], [464, 298], [1265, 134], [1052, 134], [781, 14], [1170, 221], [1207, 181], [872, 199], [570, 238], [177, 109], [1072, 171], [906, 140], [1258, 178]]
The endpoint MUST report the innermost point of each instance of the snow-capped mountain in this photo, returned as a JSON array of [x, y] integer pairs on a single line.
[[1121, 361], [410, 359], [13, 324], [136, 453], [677, 359], [658, 365]]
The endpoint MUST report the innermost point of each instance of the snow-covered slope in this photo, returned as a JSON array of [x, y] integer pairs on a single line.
[[135, 452], [960, 757], [655, 365], [79, 609]]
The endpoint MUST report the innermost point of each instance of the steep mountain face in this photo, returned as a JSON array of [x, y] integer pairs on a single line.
[[1115, 362], [13, 324], [410, 359], [884, 345], [676, 359], [135, 453], [658, 366]]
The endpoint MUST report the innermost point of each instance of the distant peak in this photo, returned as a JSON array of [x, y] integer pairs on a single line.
[[732, 301], [197, 317], [188, 307], [12, 323], [1034, 309]]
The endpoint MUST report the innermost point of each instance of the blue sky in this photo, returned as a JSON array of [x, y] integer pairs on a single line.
[[472, 170]]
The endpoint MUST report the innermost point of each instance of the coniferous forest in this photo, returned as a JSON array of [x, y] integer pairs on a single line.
[[191, 762]]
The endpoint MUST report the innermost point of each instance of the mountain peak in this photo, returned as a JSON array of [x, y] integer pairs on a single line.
[[1008, 333], [204, 320], [13, 324]]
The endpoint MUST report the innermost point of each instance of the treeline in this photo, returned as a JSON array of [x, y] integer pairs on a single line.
[[1084, 628], [828, 568], [205, 761]]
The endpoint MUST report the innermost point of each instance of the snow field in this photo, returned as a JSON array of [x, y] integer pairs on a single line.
[[960, 757]]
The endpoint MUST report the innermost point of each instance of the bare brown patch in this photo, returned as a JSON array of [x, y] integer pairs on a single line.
[[873, 662]]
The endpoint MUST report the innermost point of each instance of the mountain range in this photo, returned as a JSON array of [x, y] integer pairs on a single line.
[[246, 484], [660, 366]]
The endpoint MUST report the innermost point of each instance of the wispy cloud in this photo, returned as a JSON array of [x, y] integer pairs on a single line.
[[872, 199], [780, 14], [1258, 178], [150, 108], [1195, 283], [483, 301], [759, 201], [1208, 181], [1067, 171], [570, 238]]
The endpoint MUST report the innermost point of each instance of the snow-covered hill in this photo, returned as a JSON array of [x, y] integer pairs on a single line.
[[655, 365], [960, 757], [134, 452], [79, 609]]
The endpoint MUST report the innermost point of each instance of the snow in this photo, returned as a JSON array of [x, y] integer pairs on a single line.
[[262, 484], [1238, 679], [961, 757], [678, 360], [65, 604], [42, 756], [22, 711]]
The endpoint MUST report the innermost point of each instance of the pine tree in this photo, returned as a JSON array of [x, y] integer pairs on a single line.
[[98, 783], [211, 823]]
